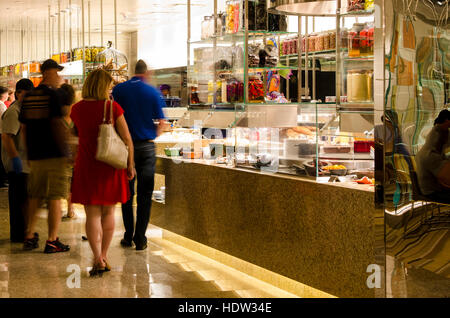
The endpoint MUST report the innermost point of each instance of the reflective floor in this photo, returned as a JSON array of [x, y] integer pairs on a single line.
[[162, 270]]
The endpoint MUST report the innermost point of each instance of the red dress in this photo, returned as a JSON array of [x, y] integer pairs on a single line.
[[95, 182]]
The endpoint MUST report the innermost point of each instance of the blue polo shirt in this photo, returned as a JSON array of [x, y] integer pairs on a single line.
[[142, 104]]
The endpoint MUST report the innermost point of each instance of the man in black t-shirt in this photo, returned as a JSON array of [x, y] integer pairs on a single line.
[[41, 116]]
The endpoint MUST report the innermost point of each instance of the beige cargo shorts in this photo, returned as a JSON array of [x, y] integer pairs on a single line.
[[48, 179]]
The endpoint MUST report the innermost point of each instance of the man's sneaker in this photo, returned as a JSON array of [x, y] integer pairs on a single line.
[[32, 243], [55, 247]]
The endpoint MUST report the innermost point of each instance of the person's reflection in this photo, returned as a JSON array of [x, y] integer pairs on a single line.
[[433, 169], [397, 164], [136, 277]]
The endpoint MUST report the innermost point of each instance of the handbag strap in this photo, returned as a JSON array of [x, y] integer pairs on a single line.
[[110, 111]]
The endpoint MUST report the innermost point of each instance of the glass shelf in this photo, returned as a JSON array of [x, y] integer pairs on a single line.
[[256, 68], [326, 53], [317, 103], [369, 58], [233, 37], [356, 111], [237, 71], [219, 107], [355, 104], [232, 106], [262, 33], [358, 13]]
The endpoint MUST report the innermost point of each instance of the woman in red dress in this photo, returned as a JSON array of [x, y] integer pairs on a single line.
[[97, 185]]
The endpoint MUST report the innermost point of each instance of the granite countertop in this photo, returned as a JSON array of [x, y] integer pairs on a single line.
[[211, 162]]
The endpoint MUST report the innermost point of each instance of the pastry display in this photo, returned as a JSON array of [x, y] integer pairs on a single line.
[[337, 170], [303, 130], [365, 180], [334, 167], [336, 149]]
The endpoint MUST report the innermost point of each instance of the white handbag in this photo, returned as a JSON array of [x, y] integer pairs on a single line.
[[110, 148]]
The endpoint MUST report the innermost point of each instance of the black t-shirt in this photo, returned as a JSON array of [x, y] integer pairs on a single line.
[[39, 109]]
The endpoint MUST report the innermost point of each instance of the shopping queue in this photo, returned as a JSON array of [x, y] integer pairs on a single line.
[[53, 151]]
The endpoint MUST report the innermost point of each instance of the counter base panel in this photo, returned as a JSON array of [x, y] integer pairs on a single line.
[[319, 235], [279, 281]]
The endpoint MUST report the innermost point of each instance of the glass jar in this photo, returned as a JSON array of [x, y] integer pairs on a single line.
[[355, 5], [295, 46], [311, 43], [369, 5], [237, 12], [319, 43], [255, 89], [219, 24], [359, 86], [230, 16], [326, 41], [194, 96], [332, 40], [371, 38], [210, 92], [364, 41], [290, 46], [205, 26], [284, 47], [219, 91], [211, 30], [344, 38], [253, 55], [240, 92], [354, 40], [232, 91]]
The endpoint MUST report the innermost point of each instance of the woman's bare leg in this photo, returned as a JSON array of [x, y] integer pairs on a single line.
[[108, 223], [94, 231]]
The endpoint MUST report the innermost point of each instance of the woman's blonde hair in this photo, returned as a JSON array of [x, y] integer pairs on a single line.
[[97, 85]]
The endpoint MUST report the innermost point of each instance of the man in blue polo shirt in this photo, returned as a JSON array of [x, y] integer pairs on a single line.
[[142, 104]]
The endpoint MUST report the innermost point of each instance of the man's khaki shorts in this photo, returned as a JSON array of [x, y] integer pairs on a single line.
[[48, 179]]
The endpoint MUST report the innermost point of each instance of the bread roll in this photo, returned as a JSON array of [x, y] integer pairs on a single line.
[[303, 130]]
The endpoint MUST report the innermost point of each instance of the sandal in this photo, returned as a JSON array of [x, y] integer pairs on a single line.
[[107, 266], [96, 270], [68, 217]]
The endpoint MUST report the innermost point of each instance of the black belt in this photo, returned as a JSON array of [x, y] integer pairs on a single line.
[[143, 141]]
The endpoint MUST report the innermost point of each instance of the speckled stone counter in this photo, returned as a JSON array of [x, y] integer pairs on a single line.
[[317, 234]]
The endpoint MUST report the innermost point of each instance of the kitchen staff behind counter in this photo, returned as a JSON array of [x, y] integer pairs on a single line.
[[433, 168], [165, 90]]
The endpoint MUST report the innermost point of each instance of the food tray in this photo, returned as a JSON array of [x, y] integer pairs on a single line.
[[336, 149], [338, 172], [172, 152]]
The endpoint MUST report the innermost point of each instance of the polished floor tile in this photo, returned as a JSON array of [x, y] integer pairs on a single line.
[[163, 270]]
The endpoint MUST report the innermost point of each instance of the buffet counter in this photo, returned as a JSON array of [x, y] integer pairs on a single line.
[[318, 234]]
